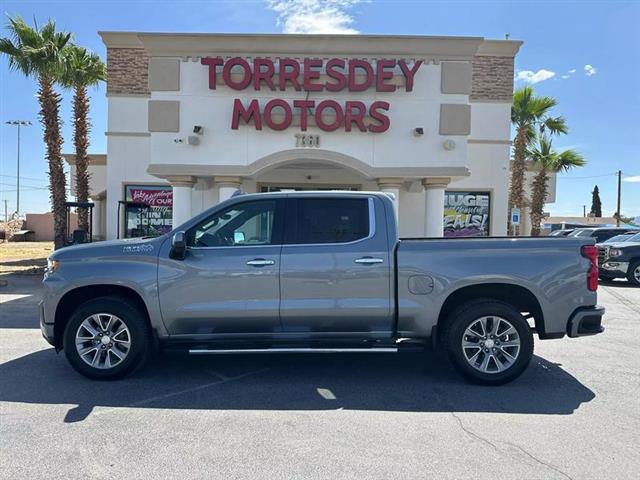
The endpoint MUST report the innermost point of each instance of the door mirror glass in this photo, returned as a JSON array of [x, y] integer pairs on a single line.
[[178, 246]]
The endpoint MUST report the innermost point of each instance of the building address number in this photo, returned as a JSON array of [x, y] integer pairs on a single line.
[[304, 140]]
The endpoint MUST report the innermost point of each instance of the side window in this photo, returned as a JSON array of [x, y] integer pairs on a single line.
[[245, 224], [331, 220]]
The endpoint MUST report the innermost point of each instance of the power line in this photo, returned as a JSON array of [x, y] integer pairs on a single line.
[[592, 176]]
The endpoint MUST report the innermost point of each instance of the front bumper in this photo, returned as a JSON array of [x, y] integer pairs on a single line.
[[586, 321], [611, 268], [46, 328]]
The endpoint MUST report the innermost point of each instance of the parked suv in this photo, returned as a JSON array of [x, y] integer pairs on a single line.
[[620, 259]]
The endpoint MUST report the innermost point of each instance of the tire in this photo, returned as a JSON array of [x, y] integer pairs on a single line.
[[108, 359], [633, 274], [480, 316]]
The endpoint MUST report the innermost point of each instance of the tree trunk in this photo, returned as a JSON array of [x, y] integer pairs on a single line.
[[538, 197], [81, 143], [516, 192], [50, 119]]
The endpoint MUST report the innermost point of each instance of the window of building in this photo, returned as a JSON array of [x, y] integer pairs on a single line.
[[245, 224], [467, 214], [147, 210], [331, 220]]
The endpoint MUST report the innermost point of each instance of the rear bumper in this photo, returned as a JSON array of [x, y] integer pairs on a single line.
[[586, 321]]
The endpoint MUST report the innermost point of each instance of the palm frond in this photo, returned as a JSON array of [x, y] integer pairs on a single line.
[[555, 125], [568, 159]]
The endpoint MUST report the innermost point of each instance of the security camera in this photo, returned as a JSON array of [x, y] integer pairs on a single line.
[[418, 131], [198, 129]]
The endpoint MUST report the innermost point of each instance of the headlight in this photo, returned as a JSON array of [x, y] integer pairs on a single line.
[[52, 265], [615, 252]]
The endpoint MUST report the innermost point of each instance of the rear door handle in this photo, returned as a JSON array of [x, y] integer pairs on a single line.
[[260, 262], [368, 260]]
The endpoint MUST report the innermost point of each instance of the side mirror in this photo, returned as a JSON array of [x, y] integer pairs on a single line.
[[178, 246]]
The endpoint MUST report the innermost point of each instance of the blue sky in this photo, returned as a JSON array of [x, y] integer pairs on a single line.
[[586, 54]]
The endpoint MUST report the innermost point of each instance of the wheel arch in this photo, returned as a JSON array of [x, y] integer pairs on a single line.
[[77, 296], [516, 295]]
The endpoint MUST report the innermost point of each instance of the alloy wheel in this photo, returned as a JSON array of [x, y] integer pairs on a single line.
[[103, 341], [491, 344]]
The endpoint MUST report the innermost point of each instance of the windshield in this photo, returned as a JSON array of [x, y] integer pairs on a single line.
[[581, 232], [619, 238], [633, 238]]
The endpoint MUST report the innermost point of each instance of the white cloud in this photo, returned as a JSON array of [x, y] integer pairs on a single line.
[[635, 179], [529, 76], [589, 70], [315, 16], [564, 77], [573, 70]]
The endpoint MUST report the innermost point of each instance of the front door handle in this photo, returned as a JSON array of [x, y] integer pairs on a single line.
[[260, 262], [368, 260]]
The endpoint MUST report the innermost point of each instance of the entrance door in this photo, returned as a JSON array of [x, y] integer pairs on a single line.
[[229, 281], [336, 272]]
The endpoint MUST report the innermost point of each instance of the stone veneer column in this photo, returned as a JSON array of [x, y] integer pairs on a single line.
[[182, 190], [227, 186], [392, 186], [434, 211]]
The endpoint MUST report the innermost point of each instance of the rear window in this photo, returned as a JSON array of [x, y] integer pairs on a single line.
[[331, 220]]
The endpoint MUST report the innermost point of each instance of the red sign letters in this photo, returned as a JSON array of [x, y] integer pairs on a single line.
[[351, 75]]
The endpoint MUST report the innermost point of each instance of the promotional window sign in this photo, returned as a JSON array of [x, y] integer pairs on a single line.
[[152, 221], [466, 214]]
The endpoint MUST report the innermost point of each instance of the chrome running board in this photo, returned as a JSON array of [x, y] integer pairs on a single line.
[[203, 351]]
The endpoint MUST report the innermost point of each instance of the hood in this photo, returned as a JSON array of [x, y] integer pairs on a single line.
[[111, 248]]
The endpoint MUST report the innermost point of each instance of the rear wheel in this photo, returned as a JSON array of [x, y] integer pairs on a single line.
[[106, 338], [488, 341], [633, 274]]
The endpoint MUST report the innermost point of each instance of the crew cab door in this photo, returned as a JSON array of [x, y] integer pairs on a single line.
[[335, 274], [228, 283]]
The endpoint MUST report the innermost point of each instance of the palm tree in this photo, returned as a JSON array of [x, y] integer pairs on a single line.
[[529, 115], [547, 160], [81, 69], [37, 53]]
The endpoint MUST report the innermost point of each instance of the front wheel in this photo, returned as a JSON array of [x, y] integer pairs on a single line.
[[633, 274], [488, 341], [106, 338]]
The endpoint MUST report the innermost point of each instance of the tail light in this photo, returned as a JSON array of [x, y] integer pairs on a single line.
[[591, 252]]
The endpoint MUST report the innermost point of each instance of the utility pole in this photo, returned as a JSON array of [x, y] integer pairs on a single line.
[[619, 195], [584, 210], [6, 216], [18, 123]]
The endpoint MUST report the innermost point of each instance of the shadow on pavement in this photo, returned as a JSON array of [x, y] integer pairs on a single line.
[[407, 382]]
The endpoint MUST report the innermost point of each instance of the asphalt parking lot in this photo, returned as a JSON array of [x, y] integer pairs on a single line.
[[575, 413]]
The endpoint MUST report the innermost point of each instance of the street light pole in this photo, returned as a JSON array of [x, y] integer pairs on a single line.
[[18, 123]]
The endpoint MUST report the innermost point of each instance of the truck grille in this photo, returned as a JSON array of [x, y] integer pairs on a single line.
[[603, 254]]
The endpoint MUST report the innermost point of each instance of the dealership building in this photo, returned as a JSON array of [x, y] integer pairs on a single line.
[[192, 118]]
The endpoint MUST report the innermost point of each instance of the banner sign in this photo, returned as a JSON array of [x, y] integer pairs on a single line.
[[152, 196], [155, 221], [466, 214], [353, 75]]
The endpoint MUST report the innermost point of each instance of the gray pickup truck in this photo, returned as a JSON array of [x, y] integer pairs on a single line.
[[316, 272]]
